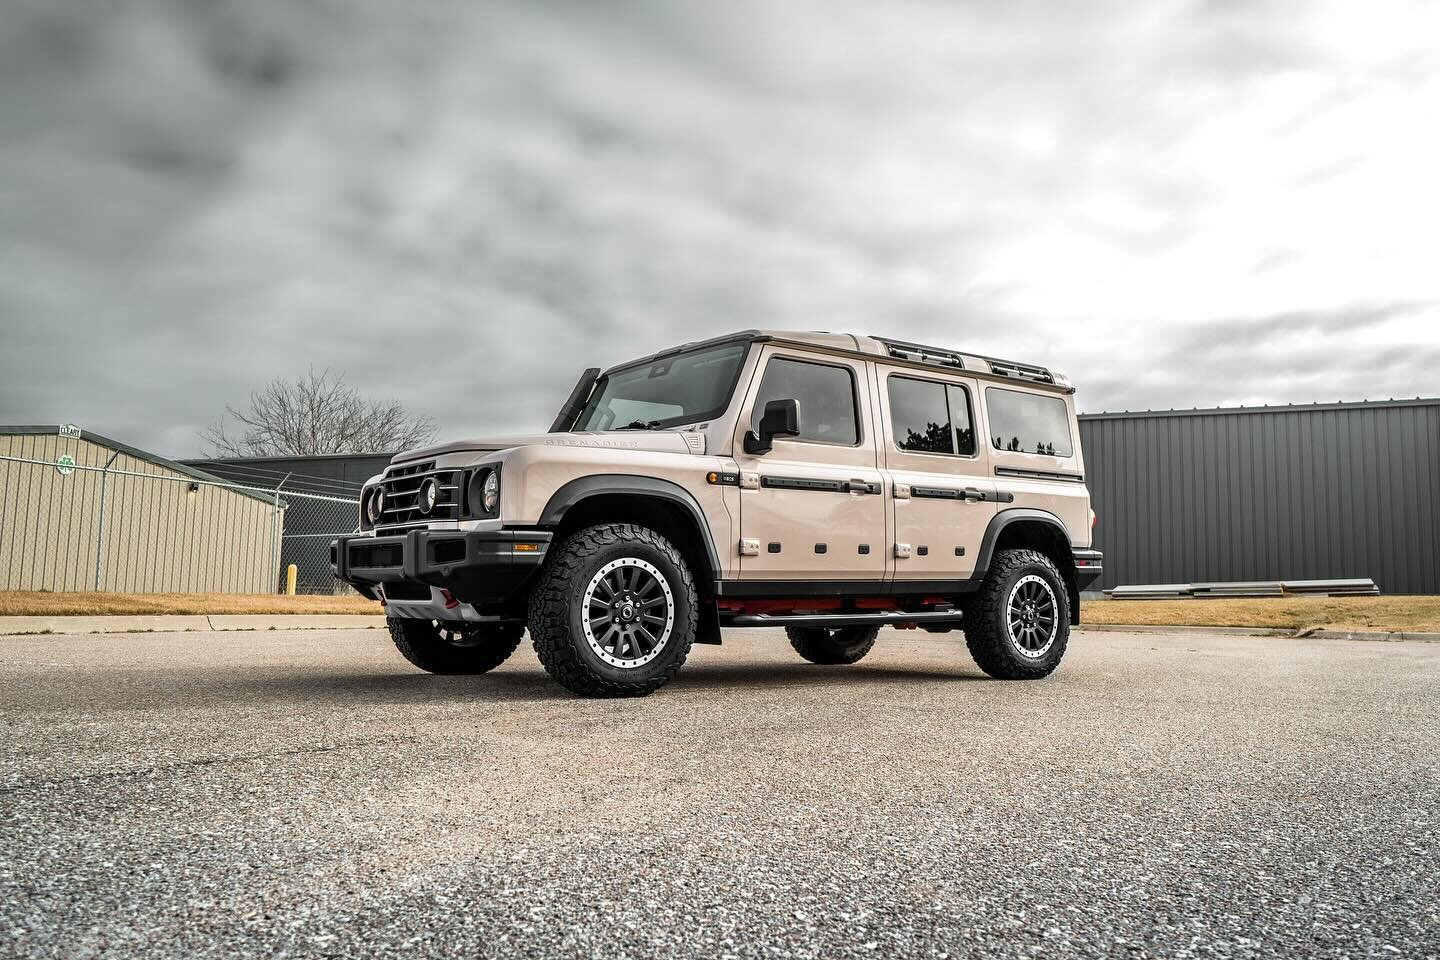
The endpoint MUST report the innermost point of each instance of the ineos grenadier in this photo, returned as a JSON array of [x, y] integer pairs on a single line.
[[828, 484]]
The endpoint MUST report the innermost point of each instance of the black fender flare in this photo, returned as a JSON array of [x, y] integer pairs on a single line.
[[583, 488], [1005, 518]]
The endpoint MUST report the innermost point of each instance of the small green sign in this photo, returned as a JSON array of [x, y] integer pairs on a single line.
[[65, 464]]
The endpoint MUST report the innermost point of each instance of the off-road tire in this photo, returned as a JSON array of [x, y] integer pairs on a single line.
[[831, 645], [485, 645], [985, 622], [556, 610]]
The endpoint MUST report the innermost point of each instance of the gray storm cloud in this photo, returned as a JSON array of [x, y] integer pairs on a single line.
[[462, 204]]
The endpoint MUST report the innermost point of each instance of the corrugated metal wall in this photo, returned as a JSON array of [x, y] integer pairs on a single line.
[[1308, 492], [159, 535]]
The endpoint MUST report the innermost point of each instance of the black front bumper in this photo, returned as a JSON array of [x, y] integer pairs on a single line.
[[1089, 565], [481, 567]]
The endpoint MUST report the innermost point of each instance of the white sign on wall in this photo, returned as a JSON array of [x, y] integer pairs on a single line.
[[69, 430]]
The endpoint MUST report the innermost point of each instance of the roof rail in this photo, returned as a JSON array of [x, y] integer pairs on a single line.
[[1020, 371], [939, 356], [920, 353]]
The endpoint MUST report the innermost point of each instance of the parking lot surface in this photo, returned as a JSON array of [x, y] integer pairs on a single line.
[[309, 794]]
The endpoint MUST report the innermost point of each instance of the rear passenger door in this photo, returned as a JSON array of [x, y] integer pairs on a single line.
[[942, 498], [813, 508]]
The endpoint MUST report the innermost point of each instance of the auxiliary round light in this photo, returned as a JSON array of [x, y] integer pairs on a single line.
[[429, 495], [374, 505]]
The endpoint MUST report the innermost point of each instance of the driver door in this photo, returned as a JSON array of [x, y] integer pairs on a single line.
[[813, 508]]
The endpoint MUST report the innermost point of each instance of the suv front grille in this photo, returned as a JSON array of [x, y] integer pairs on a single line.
[[402, 495]]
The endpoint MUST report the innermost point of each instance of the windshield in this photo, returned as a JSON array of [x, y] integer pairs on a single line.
[[684, 388]]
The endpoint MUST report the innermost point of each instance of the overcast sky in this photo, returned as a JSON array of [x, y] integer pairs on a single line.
[[461, 204]]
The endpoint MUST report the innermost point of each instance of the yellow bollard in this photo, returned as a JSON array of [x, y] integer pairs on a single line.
[[291, 572]]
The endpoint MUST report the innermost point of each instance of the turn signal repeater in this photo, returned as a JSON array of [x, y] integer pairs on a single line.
[[527, 548]]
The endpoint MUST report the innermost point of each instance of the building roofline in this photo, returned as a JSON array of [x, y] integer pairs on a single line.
[[1346, 405], [53, 429], [285, 458]]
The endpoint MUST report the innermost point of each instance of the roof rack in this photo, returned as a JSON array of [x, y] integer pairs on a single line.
[[920, 353], [939, 356]]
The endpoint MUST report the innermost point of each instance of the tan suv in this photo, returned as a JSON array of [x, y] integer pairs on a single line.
[[825, 483]]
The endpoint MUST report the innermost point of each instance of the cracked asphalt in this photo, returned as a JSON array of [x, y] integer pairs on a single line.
[[309, 794]]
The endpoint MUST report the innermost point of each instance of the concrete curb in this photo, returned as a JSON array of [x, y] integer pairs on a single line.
[[1313, 633], [1186, 631], [14, 626]]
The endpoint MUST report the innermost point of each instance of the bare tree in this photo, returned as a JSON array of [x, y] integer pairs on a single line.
[[315, 414]]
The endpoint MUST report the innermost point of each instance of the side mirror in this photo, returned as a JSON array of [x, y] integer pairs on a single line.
[[780, 419]]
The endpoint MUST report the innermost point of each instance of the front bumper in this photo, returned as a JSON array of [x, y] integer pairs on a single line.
[[1089, 566], [479, 567]]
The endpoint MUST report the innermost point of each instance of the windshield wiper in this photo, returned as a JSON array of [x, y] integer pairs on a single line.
[[642, 425]]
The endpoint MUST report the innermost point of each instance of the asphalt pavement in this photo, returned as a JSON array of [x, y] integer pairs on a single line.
[[310, 794]]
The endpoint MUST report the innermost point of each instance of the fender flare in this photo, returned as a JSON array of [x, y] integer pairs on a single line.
[[1005, 518], [583, 488]]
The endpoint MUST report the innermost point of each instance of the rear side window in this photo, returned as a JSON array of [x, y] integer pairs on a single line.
[[826, 395], [930, 417], [1028, 423]]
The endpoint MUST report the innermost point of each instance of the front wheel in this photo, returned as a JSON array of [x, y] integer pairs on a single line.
[[454, 647], [614, 612], [1018, 625]]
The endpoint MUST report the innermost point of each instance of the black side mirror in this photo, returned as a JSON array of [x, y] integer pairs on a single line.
[[780, 419]]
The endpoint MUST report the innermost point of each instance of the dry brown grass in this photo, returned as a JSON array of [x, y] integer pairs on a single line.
[[45, 604], [1388, 614]]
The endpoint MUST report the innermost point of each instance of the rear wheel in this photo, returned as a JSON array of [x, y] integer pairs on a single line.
[[444, 646], [1018, 625], [831, 645], [614, 612]]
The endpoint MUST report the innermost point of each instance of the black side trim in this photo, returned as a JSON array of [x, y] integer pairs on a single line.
[[599, 484], [968, 493], [826, 486], [1038, 474], [801, 483]]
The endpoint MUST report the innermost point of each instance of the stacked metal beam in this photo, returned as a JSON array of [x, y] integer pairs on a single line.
[[1264, 588]]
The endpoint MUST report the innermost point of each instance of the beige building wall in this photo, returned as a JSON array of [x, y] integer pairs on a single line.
[[159, 536]]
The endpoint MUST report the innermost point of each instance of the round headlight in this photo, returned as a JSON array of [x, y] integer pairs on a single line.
[[374, 505], [429, 495], [490, 492]]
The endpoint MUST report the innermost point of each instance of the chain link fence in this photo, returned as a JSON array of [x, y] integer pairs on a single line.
[[68, 526]]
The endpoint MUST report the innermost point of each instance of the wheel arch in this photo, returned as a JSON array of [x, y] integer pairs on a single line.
[[661, 505], [1030, 528]]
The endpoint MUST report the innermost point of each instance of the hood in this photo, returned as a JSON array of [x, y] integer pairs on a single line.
[[659, 441]]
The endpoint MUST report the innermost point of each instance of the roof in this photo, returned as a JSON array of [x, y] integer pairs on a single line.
[[899, 352], [53, 429], [1346, 405]]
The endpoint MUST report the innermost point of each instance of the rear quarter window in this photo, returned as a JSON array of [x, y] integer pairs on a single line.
[[1028, 423]]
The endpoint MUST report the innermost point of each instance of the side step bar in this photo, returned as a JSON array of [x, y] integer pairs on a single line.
[[867, 619]]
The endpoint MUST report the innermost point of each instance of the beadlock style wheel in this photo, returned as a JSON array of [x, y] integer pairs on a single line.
[[1031, 616], [629, 613]]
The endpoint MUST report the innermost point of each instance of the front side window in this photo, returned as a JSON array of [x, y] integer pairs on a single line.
[[930, 417], [826, 395], [1028, 423], [684, 388]]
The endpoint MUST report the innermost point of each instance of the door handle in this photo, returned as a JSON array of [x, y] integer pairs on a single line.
[[971, 493], [858, 486]]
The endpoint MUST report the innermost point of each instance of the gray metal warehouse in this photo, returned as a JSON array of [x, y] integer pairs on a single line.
[[1317, 491]]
